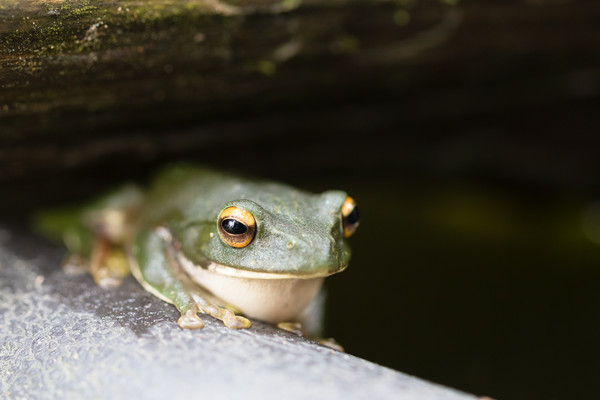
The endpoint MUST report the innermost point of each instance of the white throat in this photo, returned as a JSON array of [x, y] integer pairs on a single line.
[[261, 297]]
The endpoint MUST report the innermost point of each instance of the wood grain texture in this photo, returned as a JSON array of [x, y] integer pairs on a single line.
[[68, 66]]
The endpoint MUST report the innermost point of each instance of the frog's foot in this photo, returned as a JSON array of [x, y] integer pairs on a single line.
[[108, 264], [293, 327], [331, 343], [74, 264], [296, 328], [227, 316], [190, 320]]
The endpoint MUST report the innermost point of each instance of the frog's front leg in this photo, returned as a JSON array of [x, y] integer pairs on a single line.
[[107, 264], [154, 265]]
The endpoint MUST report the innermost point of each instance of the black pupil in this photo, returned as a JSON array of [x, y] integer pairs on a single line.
[[233, 226], [352, 218]]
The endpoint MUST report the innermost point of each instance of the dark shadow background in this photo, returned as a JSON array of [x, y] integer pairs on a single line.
[[476, 168]]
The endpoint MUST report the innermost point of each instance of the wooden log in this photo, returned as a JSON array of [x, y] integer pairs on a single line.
[[129, 83], [72, 66]]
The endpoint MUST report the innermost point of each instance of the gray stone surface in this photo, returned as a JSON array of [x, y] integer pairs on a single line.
[[63, 337]]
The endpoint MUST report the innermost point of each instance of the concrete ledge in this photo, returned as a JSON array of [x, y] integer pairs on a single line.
[[63, 337]]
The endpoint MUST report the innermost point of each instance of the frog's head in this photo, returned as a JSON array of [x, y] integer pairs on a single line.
[[296, 235]]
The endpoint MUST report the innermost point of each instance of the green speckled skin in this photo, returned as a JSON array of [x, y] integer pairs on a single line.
[[189, 200], [298, 235]]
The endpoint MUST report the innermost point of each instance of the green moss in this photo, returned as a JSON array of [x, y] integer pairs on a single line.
[[65, 30], [401, 17], [48, 31], [266, 67], [70, 9], [344, 44]]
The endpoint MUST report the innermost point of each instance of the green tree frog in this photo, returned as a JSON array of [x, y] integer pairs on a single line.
[[214, 243]]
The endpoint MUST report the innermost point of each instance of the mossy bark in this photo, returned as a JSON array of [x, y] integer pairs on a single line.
[[93, 65], [87, 82]]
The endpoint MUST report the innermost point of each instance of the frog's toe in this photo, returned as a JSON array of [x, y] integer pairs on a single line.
[[108, 264], [293, 327], [107, 278], [237, 322], [296, 328], [227, 316], [332, 344], [190, 320], [74, 264], [108, 282]]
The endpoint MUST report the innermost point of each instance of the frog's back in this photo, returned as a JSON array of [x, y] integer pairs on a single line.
[[189, 193], [176, 190], [184, 192]]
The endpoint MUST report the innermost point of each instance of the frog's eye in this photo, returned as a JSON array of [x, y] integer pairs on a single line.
[[349, 217], [237, 227]]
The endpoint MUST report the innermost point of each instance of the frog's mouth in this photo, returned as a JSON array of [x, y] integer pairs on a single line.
[[235, 272]]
